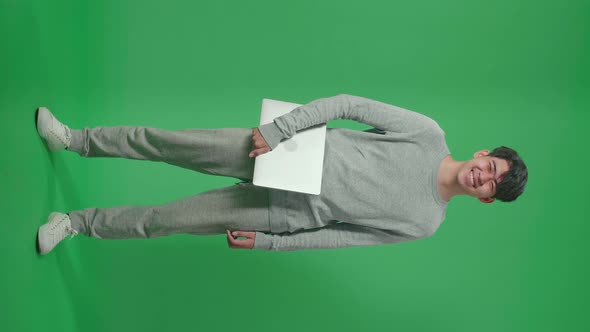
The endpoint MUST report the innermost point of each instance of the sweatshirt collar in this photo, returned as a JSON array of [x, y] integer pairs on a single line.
[[434, 181]]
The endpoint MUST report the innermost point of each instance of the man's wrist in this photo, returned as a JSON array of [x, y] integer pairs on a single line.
[[271, 134], [262, 241]]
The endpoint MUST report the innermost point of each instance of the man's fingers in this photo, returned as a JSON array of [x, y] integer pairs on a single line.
[[235, 243], [258, 152], [241, 244], [260, 143], [255, 134], [229, 239]]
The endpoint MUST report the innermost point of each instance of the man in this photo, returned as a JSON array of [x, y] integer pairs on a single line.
[[384, 185]]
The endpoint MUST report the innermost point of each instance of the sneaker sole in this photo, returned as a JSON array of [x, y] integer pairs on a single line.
[[37, 119], [37, 243]]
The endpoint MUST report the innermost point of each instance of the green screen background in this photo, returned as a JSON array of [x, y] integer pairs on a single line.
[[490, 73]]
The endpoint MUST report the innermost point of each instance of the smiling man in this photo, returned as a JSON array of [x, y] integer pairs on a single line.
[[385, 185], [484, 176]]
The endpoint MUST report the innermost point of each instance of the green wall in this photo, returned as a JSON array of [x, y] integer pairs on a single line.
[[512, 73]]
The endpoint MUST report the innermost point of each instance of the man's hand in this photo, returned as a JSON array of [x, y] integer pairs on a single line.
[[241, 244], [260, 145]]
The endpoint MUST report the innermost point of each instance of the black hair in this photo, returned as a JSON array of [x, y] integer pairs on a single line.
[[514, 181]]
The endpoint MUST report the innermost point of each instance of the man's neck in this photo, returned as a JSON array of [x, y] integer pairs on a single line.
[[448, 185]]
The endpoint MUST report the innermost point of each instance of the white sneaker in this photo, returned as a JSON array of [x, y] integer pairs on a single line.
[[56, 134], [57, 227]]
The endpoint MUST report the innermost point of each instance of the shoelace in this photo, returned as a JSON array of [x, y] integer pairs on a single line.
[[66, 130], [72, 231], [67, 227], [68, 135]]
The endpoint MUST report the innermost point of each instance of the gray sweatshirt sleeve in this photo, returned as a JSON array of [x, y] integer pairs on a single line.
[[329, 237], [374, 113]]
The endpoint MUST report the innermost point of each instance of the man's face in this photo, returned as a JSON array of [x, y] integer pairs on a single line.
[[480, 176]]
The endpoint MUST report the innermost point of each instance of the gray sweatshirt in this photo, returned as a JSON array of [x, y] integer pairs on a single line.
[[379, 186]]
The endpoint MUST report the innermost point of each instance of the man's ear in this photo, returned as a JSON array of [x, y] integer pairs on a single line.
[[481, 153], [487, 200]]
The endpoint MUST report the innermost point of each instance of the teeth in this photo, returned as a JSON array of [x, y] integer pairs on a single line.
[[472, 180]]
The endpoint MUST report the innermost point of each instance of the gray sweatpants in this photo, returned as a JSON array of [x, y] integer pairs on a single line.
[[222, 152]]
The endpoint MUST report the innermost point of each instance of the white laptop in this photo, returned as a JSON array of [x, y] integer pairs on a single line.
[[295, 164]]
